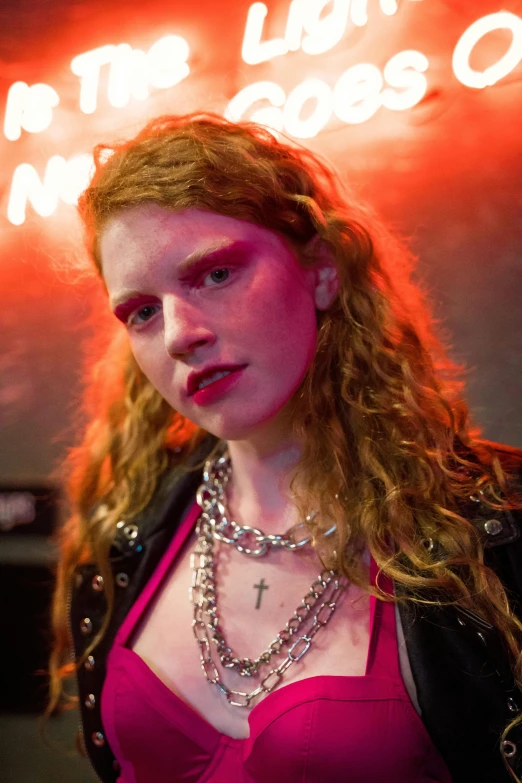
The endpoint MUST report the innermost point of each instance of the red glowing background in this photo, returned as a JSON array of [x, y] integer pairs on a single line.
[[445, 171]]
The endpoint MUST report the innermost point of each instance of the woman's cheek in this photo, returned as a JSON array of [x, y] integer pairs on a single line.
[[147, 362]]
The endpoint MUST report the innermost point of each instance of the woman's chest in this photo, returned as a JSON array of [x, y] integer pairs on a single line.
[[255, 599]]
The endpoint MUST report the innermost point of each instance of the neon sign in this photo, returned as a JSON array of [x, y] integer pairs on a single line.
[[503, 20], [63, 179], [357, 94], [29, 108], [322, 32], [131, 71]]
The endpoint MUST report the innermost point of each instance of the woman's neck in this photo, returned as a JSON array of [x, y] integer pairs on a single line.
[[258, 493]]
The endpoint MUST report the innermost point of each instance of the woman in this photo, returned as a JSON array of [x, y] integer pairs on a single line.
[[276, 427]]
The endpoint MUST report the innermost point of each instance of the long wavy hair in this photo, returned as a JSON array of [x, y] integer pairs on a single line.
[[388, 451]]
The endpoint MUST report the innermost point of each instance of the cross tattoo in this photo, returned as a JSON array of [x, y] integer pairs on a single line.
[[260, 587]]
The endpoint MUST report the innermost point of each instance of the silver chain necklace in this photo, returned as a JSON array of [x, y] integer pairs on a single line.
[[206, 623], [211, 494]]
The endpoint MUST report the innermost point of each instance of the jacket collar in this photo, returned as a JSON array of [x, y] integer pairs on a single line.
[[178, 484], [176, 489]]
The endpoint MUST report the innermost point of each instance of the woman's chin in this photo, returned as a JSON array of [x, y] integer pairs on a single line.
[[269, 430]]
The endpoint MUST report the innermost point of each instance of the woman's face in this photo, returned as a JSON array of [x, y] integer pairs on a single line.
[[220, 315]]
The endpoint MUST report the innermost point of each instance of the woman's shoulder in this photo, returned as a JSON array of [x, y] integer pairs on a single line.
[[510, 457], [501, 528], [175, 489], [510, 461], [497, 526], [484, 452]]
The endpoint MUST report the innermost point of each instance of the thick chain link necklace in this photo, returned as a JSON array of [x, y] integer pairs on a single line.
[[211, 494], [318, 605]]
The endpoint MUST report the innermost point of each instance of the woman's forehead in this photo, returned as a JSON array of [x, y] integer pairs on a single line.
[[148, 224], [146, 235]]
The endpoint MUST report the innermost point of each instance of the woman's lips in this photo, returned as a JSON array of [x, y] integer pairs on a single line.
[[218, 388]]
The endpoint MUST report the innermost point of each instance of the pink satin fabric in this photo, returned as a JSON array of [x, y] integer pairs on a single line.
[[318, 730]]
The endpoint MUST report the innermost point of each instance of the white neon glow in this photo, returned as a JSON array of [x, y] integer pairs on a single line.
[[503, 20], [389, 7], [28, 187], [357, 94], [323, 32], [294, 26], [270, 116], [167, 62], [131, 71], [118, 87], [254, 50], [63, 179], [75, 177], [314, 90], [87, 66], [358, 12], [405, 71], [138, 75], [29, 108]]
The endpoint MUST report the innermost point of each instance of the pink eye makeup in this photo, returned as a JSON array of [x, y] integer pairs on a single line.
[[124, 310], [217, 276], [202, 270]]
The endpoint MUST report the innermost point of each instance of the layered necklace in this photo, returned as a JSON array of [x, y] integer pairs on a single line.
[[292, 643]]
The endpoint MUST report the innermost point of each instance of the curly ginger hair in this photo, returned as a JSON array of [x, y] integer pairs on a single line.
[[385, 432]]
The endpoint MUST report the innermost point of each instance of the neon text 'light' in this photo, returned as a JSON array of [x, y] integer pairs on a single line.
[[131, 71], [307, 27], [356, 96]]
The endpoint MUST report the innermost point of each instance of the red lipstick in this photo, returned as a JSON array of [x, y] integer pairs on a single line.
[[218, 388]]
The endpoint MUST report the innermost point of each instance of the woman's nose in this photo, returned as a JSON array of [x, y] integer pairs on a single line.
[[184, 327]]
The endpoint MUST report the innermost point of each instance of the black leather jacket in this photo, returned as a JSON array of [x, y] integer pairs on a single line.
[[459, 664]]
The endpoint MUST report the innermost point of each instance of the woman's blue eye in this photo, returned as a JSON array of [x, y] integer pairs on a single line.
[[219, 275], [144, 313]]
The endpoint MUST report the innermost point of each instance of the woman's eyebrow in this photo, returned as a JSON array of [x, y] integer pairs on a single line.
[[212, 254]]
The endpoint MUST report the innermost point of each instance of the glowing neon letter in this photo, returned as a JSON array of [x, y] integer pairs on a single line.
[[131, 70], [270, 116], [254, 50], [294, 25], [359, 14], [29, 108], [405, 70], [314, 89], [137, 75], [503, 20], [87, 67], [28, 187], [323, 33], [357, 93], [63, 179], [389, 7], [75, 177], [167, 61], [119, 88]]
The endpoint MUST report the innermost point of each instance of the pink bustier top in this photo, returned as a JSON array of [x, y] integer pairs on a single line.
[[325, 729]]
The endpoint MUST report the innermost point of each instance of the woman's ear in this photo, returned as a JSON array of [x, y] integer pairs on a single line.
[[327, 287], [323, 271]]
